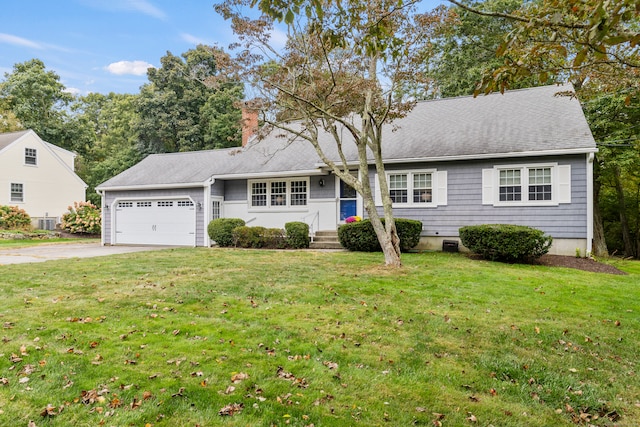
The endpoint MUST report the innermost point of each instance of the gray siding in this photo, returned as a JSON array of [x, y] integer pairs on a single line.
[[235, 190], [464, 201], [196, 193], [217, 189]]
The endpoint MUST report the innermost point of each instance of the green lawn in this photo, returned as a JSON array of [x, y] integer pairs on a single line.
[[171, 338]]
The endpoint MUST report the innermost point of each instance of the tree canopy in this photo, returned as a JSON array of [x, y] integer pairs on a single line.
[[179, 112], [341, 69]]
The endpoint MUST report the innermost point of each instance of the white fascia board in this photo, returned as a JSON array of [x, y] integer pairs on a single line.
[[281, 174], [562, 152], [153, 186]]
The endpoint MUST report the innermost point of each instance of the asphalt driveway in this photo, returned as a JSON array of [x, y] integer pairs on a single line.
[[53, 251]]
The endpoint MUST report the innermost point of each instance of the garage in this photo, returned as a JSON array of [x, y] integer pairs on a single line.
[[155, 222]]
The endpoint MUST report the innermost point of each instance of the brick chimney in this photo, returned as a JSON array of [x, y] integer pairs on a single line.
[[249, 120]]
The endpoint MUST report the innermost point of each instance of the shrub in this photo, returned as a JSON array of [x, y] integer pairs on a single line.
[[248, 237], [297, 235], [259, 237], [82, 218], [220, 230], [360, 236], [507, 243], [14, 218]]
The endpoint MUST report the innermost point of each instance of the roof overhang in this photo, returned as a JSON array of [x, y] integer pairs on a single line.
[[546, 153], [281, 174], [152, 186]]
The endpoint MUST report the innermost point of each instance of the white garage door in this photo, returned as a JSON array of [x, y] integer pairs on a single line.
[[155, 222]]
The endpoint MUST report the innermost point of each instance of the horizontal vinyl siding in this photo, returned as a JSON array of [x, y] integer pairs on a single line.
[[465, 206], [196, 193]]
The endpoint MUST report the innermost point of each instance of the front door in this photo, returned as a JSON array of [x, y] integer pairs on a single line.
[[348, 201]]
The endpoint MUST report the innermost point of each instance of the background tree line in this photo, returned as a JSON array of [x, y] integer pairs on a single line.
[[476, 47]]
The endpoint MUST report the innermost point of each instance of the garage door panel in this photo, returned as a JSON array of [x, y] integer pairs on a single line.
[[155, 222]]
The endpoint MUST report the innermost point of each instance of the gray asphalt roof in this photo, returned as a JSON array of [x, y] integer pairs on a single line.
[[8, 138], [520, 121]]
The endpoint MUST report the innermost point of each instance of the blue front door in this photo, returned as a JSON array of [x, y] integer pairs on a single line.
[[348, 203]]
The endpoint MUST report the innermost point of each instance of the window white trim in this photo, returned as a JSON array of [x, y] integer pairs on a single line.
[[288, 193], [30, 156], [560, 185], [18, 189], [438, 188]]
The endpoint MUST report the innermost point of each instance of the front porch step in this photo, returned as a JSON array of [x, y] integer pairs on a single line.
[[327, 239]]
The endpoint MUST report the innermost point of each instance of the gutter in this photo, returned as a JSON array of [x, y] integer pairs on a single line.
[[485, 156]]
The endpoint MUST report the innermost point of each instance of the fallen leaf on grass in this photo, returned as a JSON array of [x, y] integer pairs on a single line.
[[51, 411], [231, 409], [240, 376]]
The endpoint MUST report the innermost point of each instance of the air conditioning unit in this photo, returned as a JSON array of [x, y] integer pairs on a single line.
[[47, 224]]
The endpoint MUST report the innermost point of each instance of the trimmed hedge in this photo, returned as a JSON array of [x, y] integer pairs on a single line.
[[220, 230], [14, 218], [504, 242], [359, 236], [297, 235], [259, 237]]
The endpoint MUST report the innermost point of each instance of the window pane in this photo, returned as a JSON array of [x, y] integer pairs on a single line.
[[422, 188], [540, 176], [540, 192], [17, 194], [278, 193], [259, 194], [510, 193], [397, 182], [298, 193], [30, 156], [510, 177]]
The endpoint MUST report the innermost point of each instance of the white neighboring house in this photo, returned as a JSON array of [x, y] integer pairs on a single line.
[[38, 177]]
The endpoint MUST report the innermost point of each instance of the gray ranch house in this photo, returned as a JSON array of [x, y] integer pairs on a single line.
[[524, 157]]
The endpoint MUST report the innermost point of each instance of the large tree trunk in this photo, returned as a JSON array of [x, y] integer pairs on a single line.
[[624, 222], [599, 243]]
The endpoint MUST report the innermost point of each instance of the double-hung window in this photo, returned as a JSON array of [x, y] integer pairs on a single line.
[[17, 192], [278, 193], [527, 185], [30, 156], [420, 188]]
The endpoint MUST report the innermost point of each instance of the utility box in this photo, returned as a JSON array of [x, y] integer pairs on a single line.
[[449, 246]]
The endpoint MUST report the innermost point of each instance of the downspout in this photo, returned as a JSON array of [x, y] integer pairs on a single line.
[[590, 159], [102, 214], [207, 209]]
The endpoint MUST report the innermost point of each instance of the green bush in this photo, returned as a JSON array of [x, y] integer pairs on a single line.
[[259, 237], [275, 238], [507, 243], [360, 236], [82, 218], [14, 218], [297, 235], [220, 230]]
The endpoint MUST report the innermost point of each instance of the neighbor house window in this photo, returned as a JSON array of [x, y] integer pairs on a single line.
[[30, 156], [17, 192], [281, 193], [534, 184], [538, 187]]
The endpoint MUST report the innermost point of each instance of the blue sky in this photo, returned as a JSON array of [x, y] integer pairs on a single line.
[[106, 45]]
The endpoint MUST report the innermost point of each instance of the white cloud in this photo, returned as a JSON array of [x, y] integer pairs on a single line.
[[19, 41], [137, 68], [148, 9], [189, 38], [73, 91]]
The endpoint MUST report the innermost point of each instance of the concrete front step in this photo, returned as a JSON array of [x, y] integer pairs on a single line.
[[327, 239]]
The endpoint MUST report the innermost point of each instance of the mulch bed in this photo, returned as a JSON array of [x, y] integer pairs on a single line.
[[586, 264]]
